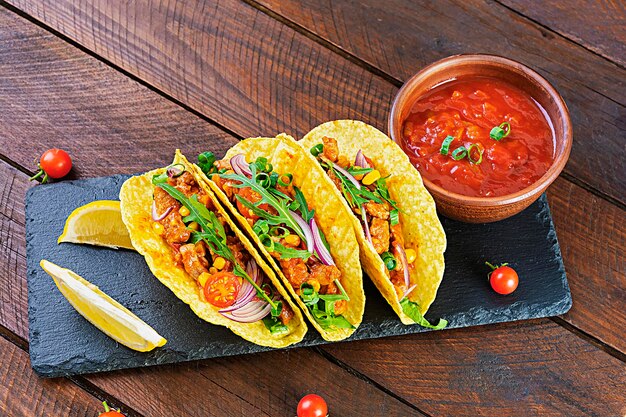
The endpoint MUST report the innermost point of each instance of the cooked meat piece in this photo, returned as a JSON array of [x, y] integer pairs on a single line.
[[335, 179], [185, 183], [296, 272], [223, 164], [340, 306], [175, 230], [396, 234], [379, 229], [194, 259], [286, 314], [380, 210], [324, 274], [331, 151], [236, 247]]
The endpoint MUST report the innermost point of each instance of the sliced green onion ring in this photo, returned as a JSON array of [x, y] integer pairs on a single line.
[[459, 153], [389, 260], [264, 180], [480, 154], [317, 149], [393, 217], [284, 183], [500, 132], [445, 146], [279, 232]]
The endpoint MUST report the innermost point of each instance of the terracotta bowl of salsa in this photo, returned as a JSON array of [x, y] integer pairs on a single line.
[[487, 134]]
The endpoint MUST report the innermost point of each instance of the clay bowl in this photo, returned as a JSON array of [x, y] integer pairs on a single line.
[[487, 209]]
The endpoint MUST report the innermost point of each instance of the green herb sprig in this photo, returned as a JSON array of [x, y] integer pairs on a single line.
[[322, 306], [413, 310]]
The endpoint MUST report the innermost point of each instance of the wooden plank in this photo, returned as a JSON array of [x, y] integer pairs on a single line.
[[528, 368], [254, 75], [23, 394], [400, 37], [593, 242], [597, 25], [268, 384], [101, 147]]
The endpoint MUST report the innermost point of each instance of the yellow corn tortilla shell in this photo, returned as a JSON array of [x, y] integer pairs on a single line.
[[332, 218], [421, 228], [136, 204]]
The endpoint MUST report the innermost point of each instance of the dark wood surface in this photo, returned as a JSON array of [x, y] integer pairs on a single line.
[[146, 77]]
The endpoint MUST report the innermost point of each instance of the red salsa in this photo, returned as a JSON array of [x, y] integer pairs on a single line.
[[468, 109]]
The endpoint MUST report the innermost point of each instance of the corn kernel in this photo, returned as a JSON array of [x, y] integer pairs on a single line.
[[158, 228], [193, 226], [410, 255], [184, 211], [219, 263], [371, 177], [293, 240], [202, 279]]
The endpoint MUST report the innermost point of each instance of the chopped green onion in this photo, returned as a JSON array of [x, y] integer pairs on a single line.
[[445, 146], [279, 232], [389, 260], [459, 153], [480, 154], [317, 149], [264, 180], [282, 182], [393, 217], [500, 132], [262, 165]]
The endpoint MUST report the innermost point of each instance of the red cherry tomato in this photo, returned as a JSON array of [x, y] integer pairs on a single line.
[[110, 413], [503, 279], [221, 289], [54, 163], [312, 405]]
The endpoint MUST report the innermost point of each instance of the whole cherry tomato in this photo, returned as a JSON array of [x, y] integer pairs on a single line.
[[312, 405], [110, 413], [503, 278], [54, 163]]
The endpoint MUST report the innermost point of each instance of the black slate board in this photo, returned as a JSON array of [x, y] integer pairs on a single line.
[[64, 343]]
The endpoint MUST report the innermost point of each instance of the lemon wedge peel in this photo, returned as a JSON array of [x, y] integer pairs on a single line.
[[109, 316]]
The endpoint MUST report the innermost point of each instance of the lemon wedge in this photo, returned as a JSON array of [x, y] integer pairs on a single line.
[[102, 311], [97, 223]]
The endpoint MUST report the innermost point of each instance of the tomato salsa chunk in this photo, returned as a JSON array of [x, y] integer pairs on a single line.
[[479, 137]]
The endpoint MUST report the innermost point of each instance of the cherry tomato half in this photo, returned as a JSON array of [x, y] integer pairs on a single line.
[[221, 289], [56, 163], [312, 405], [503, 279]]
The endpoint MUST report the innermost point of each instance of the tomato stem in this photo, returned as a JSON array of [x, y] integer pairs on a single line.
[[37, 175], [493, 268], [106, 407]]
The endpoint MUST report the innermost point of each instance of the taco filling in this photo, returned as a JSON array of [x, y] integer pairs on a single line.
[[204, 245], [279, 215], [367, 195]]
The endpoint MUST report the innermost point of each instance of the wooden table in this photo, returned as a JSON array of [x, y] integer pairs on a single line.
[[121, 84]]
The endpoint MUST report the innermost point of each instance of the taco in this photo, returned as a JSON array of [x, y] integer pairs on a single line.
[[402, 241], [195, 249], [280, 195]]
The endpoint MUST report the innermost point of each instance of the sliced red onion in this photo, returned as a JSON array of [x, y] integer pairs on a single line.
[[240, 166], [405, 265], [408, 291], [247, 290], [175, 170], [319, 246], [347, 175], [360, 160], [366, 225], [155, 215], [251, 317], [306, 230]]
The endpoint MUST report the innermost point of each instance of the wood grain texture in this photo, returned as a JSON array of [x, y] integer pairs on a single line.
[[599, 25], [531, 368], [268, 384], [400, 37], [593, 243], [23, 394]]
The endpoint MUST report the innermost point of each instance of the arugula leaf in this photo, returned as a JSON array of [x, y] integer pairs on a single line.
[[354, 170], [413, 310], [206, 162], [284, 251], [355, 196], [303, 207], [330, 322], [275, 326], [281, 205], [322, 306], [383, 192]]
